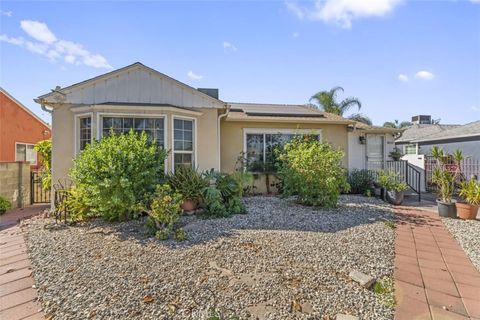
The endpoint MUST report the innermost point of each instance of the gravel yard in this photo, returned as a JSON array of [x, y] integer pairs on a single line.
[[279, 261], [467, 233]]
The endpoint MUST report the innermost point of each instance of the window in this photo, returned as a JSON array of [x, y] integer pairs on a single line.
[[25, 152], [183, 143], [260, 149], [410, 149], [153, 127], [85, 132]]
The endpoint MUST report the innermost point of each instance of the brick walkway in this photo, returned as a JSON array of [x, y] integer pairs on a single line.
[[434, 279], [17, 296]]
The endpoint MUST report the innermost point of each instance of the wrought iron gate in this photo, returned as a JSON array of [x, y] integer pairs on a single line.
[[37, 193]]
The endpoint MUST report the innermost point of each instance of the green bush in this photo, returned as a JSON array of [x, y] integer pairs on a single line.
[[44, 148], [223, 197], [189, 183], [389, 181], [165, 211], [118, 174], [361, 181], [313, 172], [4, 205]]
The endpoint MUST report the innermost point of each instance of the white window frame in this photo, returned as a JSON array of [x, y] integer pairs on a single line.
[[265, 131], [194, 142], [26, 144], [409, 145], [76, 138]]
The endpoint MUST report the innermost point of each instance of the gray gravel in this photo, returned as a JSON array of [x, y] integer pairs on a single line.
[[467, 233], [279, 261]]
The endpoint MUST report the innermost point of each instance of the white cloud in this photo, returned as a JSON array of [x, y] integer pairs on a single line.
[[194, 76], [343, 12], [6, 13], [48, 45], [38, 31], [403, 77], [295, 35], [227, 46], [475, 1], [476, 109], [424, 75]]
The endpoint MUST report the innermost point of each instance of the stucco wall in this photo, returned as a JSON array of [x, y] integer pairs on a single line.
[[232, 138], [17, 125], [15, 183], [64, 135], [357, 151]]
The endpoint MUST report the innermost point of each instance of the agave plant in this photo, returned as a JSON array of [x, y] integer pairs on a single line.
[[444, 178]]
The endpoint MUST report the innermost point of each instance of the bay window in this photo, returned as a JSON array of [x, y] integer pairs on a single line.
[[183, 142], [85, 136], [154, 128]]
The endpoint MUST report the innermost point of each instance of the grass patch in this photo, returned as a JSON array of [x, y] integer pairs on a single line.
[[384, 289], [390, 224]]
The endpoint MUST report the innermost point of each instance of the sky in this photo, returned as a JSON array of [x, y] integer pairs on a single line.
[[399, 58]]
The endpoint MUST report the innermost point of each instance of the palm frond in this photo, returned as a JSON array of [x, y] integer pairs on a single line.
[[361, 118], [346, 104]]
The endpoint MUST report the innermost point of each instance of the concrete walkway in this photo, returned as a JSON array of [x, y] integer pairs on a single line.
[[434, 279], [18, 297]]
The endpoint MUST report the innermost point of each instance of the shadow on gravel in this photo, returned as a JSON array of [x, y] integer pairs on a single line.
[[269, 214]]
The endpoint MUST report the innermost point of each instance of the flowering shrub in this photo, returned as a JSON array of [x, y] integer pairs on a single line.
[[313, 172]]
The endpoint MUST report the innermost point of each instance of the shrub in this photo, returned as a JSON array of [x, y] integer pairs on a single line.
[[117, 174], [4, 205], [361, 181], [312, 171], [470, 191], [44, 148], [389, 181], [189, 183], [165, 208], [223, 197]]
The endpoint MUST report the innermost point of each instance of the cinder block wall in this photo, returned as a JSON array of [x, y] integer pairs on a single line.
[[15, 183]]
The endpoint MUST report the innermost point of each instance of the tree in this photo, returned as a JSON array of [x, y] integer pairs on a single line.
[[327, 102], [397, 125]]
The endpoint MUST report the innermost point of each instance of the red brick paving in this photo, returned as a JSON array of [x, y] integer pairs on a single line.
[[18, 298], [434, 279]]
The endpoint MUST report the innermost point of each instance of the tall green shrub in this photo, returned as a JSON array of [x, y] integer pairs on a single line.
[[44, 148], [117, 175], [313, 172]]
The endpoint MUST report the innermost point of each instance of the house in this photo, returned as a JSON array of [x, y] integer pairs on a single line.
[[419, 138], [197, 127], [20, 130]]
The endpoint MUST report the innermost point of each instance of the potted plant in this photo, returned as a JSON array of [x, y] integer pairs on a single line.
[[188, 182], [444, 178], [394, 189], [470, 192], [396, 155]]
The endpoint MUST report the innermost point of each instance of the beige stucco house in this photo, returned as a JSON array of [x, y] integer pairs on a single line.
[[196, 126]]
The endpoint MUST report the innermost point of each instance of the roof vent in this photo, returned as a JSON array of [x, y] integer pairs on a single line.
[[212, 92]]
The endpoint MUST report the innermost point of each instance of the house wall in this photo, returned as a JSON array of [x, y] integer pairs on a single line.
[[17, 125], [357, 152], [64, 136]]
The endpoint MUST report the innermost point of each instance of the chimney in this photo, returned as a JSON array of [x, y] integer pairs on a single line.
[[422, 119], [209, 91]]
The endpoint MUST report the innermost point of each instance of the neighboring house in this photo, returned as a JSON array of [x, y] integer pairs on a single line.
[[20, 130], [199, 129]]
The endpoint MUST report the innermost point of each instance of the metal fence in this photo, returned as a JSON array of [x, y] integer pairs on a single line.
[[37, 193], [468, 168]]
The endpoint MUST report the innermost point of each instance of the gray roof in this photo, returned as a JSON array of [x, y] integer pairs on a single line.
[[419, 131], [471, 129]]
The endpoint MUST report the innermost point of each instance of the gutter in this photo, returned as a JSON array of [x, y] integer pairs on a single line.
[[43, 106], [220, 117]]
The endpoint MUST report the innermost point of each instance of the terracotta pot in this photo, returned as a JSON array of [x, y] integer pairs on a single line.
[[466, 211], [447, 209], [189, 205]]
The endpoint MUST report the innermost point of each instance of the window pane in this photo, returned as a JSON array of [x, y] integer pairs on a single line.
[[85, 131], [127, 123], [187, 125], [139, 123], [107, 122], [31, 155], [149, 123], [183, 159], [159, 124], [21, 152], [177, 124], [255, 152], [178, 134]]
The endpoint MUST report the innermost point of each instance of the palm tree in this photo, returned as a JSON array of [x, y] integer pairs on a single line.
[[397, 125], [327, 102]]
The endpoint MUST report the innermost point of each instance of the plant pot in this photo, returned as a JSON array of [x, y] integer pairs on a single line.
[[189, 205], [395, 197], [466, 211], [383, 194], [447, 209]]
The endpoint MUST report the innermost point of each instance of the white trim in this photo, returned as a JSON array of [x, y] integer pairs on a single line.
[[135, 108], [265, 131], [26, 144], [76, 136], [194, 153]]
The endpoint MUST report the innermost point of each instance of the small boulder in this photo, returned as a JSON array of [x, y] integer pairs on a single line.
[[363, 279]]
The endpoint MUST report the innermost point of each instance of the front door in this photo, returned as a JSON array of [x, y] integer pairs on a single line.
[[375, 151]]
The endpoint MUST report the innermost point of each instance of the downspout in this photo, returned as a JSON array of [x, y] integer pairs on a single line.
[[42, 105], [220, 117]]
